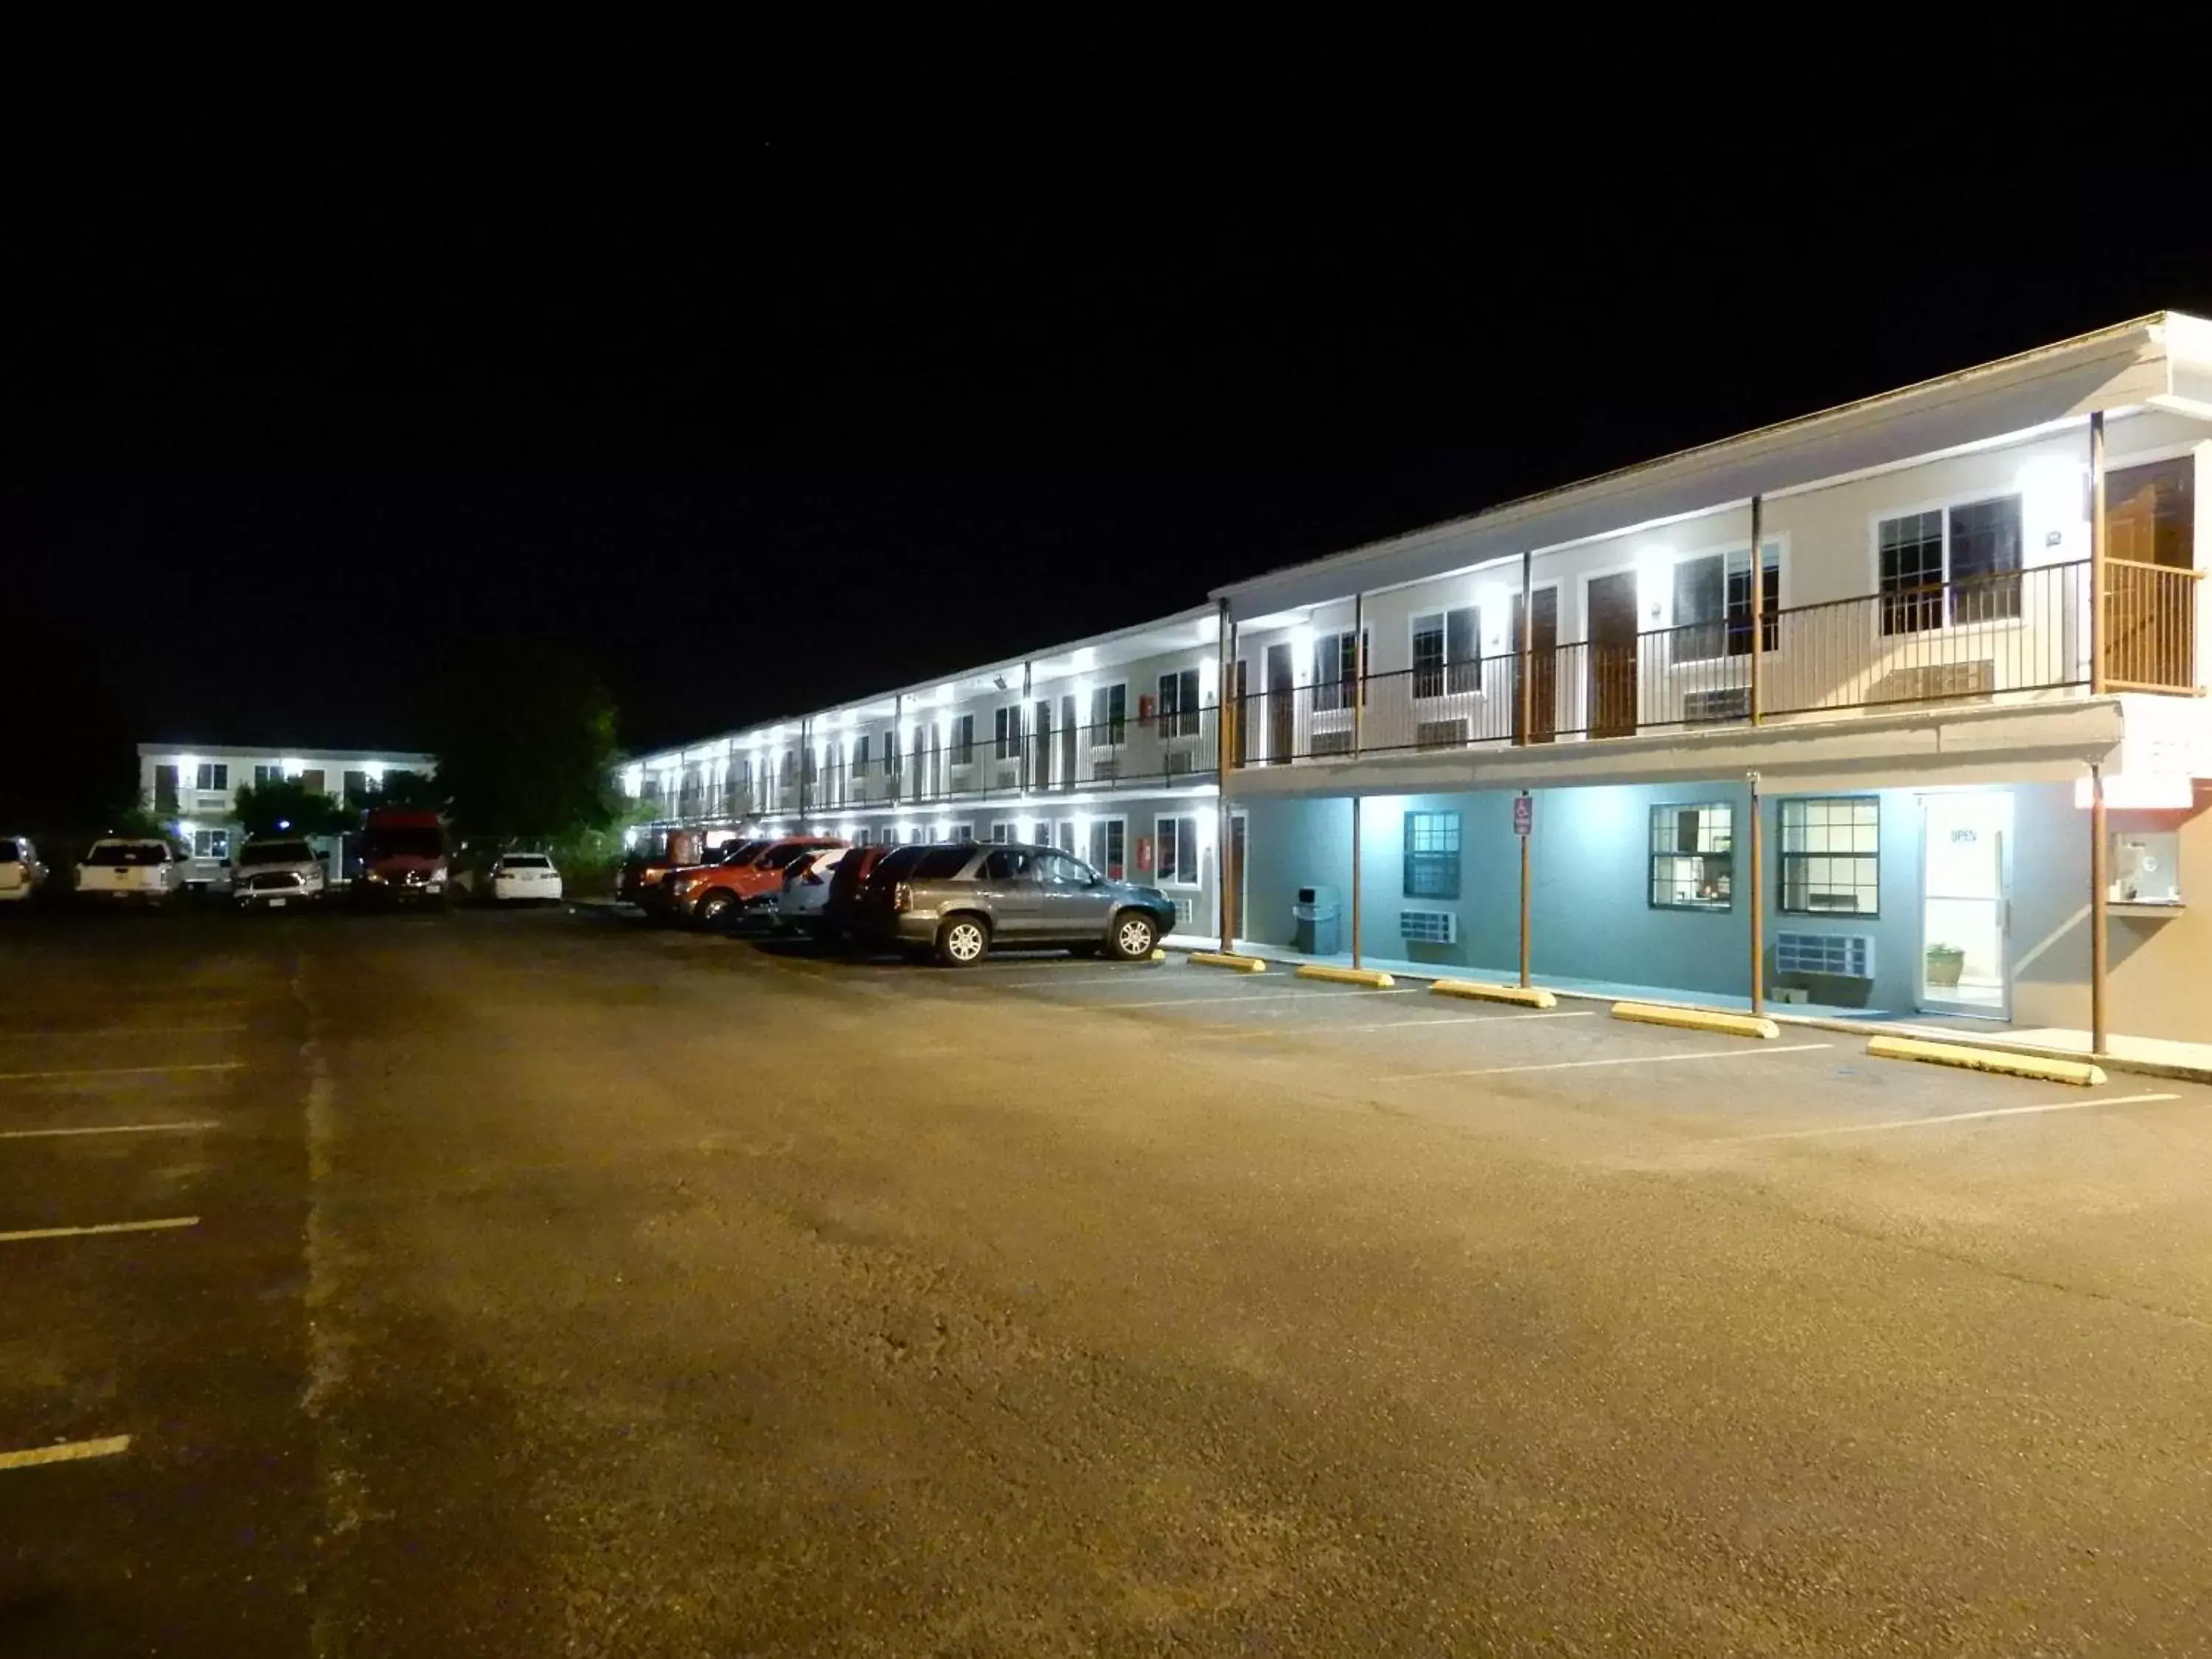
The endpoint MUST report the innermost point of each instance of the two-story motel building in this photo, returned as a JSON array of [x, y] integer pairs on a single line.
[[1947, 745]]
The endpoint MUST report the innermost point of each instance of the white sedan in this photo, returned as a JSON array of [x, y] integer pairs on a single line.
[[522, 876]]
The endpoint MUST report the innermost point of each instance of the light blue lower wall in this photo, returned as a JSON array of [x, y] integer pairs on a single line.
[[1590, 914]]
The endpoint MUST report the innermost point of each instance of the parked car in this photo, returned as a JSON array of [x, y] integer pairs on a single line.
[[274, 872], [962, 902], [517, 878], [405, 856], [848, 882], [130, 869], [20, 874], [805, 892], [644, 880], [712, 894]]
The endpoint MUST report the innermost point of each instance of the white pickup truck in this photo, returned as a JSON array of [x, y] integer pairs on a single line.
[[126, 869]]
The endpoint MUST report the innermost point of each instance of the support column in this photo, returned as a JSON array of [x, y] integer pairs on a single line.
[[1358, 712], [1758, 897], [1525, 654], [1757, 613], [1530, 810], [898, 745], [1224, 921], [2100, 889], [806, 770], [2097, 583], [1027, 739]]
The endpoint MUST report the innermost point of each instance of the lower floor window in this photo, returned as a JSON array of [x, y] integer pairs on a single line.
[[1693, 856], [210, 843], [1108, 848], [1178, 851]]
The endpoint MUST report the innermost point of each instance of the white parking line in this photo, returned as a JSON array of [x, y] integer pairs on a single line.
[[69, 1451], [123, 1071], [1948, 1117], [1264, 996], [1749, 1052], [102, 1227], [106, 1129], [105, 1033], [1387, 1024]]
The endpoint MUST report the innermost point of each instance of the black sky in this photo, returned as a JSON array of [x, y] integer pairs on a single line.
[[762, 370]]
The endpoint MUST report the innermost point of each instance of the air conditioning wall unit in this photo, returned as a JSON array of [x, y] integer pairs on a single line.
[[1716, 707], [1331, 742], [1442, 734], [1429, 926]]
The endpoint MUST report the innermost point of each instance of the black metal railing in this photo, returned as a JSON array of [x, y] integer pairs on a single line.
[[2013, 634], [1160, 751]]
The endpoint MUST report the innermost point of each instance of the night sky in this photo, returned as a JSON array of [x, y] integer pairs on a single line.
[[756, 371]]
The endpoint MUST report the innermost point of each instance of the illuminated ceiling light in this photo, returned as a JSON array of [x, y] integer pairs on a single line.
[[1085, 658]]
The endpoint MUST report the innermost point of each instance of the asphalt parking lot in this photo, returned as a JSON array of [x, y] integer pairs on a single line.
[[547, 1283]]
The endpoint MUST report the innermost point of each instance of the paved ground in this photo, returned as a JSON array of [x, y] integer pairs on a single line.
[[556, 1285]]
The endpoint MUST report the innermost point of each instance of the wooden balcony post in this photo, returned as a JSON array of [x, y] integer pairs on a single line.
[[898, 744], [2099, 885], [1758, 899], [806, 766], [1757, 613], [2098, 581], [1359, 708], [1525, 654], [1224, 920]]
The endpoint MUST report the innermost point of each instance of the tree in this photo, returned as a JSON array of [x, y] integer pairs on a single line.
[[529, 750], [405, 788], [288, 805]]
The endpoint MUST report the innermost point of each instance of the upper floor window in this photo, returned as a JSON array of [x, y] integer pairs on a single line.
[[1006, 733], [1448, 652], [963, 739], [216, 774], [1956, 564], [1110, 713], [1179, 710], [1712, 605], [356, 785], [1335, 669], [890, 751], [860, 753], [262, 775]]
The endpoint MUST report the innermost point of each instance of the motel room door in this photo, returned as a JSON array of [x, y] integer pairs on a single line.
[[1965, 904], [1282, 704], [1612, 601]]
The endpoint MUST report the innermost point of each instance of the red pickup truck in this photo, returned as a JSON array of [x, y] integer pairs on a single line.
[[713, 894]]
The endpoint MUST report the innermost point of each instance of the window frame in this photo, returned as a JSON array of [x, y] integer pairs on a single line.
[[1913, 601], [1178, 717], [1116, 723], [1785, 858], [1181, 832], [1448, 822], [1006, 732], [960, 745], [218, 770], [1654, 854], [1099, 827], [1725, 625], [1331, 697], [1449, 683]]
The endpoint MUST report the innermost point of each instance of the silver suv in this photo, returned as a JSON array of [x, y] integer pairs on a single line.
[[274, 872], [962, 901]]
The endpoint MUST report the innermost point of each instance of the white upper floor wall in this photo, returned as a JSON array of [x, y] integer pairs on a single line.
[[203, 780]]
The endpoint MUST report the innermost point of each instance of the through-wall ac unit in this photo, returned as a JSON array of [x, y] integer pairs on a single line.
[[1429, 926], [1933, 682], [1849, 954], [1714, 708], [1440, 734], [1179, 763], [1105, 771], [1183, 909], [1331, 742]]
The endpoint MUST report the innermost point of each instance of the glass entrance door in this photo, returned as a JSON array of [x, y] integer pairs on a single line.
[[1966, 965]]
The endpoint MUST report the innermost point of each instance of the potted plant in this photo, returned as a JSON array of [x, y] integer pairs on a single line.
[[1945, 963]]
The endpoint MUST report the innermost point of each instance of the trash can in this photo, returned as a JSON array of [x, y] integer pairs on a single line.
[[1313, 921]]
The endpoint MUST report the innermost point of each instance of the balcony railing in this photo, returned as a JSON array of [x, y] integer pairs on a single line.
[[1163, 751], [2015, 636]]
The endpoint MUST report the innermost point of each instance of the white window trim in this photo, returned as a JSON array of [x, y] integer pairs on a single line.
[[1944, 504], [1096, 822], [1442, 613], [1095, 727], [1197, 710], [1780, 543], [1197, 854], [1329, 720]]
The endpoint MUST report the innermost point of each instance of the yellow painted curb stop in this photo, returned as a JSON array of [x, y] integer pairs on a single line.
[[1157, 955], [1698, 1019], [1373, 978], [2078, 1073], [1224, 959], [1529, 996]]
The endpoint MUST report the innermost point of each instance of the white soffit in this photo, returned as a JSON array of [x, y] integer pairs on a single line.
[[2114, 368]]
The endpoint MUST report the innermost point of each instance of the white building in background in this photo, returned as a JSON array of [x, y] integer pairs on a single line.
[[193, 788]]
